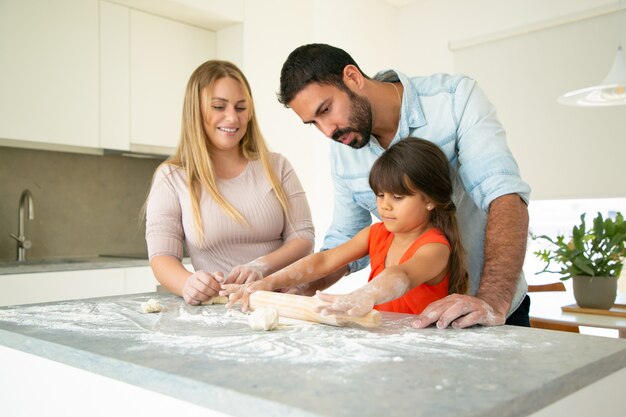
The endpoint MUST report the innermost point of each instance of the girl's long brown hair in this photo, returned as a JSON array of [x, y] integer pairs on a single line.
[[416, 165]]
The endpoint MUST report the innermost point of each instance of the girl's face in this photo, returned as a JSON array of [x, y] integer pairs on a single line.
[[226, 114], [404, 213]]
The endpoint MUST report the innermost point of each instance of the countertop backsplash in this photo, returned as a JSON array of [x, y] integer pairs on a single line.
[[84, 205]]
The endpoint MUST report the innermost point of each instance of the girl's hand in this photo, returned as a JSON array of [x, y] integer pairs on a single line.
[[250, 272], [200, 286], [240, 293], [356, 303]]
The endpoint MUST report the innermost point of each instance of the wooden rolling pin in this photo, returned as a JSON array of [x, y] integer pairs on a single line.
[[303, 308]]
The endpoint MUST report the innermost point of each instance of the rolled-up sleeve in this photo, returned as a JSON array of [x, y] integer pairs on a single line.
[[164, 229], [487, 168], [349, 218]]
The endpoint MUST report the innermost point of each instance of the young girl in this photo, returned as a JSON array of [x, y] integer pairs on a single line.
[[416, 252], [239, 209]]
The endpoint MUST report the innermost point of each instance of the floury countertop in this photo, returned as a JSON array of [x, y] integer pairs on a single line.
[[210, 357]]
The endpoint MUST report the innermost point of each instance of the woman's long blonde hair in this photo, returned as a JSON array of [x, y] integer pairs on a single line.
[[193, 154]]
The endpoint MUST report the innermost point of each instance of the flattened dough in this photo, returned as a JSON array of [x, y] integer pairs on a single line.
[[219, 299], [264, 318]]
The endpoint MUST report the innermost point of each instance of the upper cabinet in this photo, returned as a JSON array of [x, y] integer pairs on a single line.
[[96, 75], [145, 62], [49, 71], [163, 54], [114, 76]]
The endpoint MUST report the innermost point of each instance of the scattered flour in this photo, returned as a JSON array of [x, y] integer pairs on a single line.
[[216, 332]]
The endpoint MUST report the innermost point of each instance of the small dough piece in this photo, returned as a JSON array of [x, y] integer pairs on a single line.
[[264, 318], [218, 299], [152, 306]]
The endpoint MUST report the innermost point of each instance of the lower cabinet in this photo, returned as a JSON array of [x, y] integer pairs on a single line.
[[139, 280], [68, 285]]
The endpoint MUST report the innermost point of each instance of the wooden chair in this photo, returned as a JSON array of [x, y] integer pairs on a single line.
[[554, 286]]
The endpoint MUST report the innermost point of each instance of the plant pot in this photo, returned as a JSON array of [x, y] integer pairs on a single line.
[[595, 292]]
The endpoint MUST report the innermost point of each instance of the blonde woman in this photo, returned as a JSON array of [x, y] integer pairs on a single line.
[[238, 209]]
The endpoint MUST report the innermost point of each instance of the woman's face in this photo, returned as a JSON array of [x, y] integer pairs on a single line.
[[226, 114]]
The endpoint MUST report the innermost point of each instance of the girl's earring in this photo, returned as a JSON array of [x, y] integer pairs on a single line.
[[429, 207]]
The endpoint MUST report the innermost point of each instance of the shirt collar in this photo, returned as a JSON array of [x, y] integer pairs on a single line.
[[411, 113]]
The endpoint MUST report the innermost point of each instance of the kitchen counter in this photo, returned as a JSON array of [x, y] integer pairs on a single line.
[[208, 357], [69, 264]]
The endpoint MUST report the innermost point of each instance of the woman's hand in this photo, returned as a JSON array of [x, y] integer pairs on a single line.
[[250, 272], [240, 293], [356, 303], [200, 286]]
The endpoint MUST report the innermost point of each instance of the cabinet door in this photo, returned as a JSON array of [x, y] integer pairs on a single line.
[[114, 76], [163, 54], [140, 280], [63, 285], [49, 71]]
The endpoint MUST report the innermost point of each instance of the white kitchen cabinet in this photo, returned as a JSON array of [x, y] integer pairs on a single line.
[[49, 71], [145, 62], [87, 75], [41, 287], [163, 54], [61, 285], [140, 280], [114, 76]]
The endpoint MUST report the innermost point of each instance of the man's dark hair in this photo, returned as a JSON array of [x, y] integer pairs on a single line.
[[316, 62]]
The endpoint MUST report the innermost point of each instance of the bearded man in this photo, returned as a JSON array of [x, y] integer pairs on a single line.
[[364, 116]]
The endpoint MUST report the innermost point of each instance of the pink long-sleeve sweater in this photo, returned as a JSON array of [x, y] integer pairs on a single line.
[[169, 219]]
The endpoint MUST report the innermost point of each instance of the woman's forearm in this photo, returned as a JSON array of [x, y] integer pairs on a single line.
[[170, 273]]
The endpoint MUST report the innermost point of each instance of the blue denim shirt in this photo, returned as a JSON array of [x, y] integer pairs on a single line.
[[452, 112]]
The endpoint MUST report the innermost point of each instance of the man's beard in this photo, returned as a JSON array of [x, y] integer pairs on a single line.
[[360, 118]]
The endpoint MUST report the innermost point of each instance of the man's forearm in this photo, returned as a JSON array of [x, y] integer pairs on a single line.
[[505, 249]]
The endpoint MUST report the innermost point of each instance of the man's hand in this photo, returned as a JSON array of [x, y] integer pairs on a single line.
[[459, 311], [505, 247], [200, 286]]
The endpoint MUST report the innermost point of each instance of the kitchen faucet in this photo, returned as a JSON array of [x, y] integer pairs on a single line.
[[22, 243]]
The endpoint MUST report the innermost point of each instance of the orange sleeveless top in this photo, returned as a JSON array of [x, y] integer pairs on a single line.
[[417, 299]]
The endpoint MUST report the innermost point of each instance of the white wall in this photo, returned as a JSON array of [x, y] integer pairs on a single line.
[[427, 26], [563, 152]]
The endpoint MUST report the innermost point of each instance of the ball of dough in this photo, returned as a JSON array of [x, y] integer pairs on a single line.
[[152, 306], [264, 318]]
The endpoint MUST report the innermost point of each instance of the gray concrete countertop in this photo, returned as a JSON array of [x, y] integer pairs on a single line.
[[209, 356]]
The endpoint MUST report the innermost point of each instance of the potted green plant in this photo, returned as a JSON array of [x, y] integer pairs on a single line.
[[593, 257]]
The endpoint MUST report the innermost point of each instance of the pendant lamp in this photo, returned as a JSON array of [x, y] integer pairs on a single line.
[[610, 92]]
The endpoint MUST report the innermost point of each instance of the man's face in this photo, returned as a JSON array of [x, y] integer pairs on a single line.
[[340, 115]]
